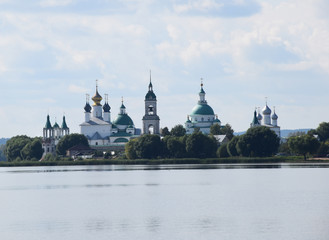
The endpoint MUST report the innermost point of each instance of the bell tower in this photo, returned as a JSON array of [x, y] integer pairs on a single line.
[[151, 121]]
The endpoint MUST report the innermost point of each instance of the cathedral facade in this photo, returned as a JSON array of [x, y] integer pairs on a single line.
[[202, 116]]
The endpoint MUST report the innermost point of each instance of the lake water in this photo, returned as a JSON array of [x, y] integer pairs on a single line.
[[165, 202]]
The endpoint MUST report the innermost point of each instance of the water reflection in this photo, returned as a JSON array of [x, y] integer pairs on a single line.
[[106, 168]]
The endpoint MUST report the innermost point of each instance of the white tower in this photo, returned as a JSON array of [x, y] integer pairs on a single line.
[[48, 140], [65, 129], [151, 121]]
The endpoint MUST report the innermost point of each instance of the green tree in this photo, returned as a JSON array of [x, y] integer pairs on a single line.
[[178, 131], [49, 157], [258, 142], [215, 129], [303, 145], [33, 150], [200, 145], [69, 141], [222, 151], [14, 147], [2, 153], [284, 148], [130, 148], [149, 146], [176, 147], [231, 147], [323, 149], [323, 131], [165, 132]]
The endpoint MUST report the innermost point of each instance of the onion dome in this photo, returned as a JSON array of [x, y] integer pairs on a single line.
[[97, 98], [255, 119], [87, 107], [259, 117], [202, 109], [64, 125], [48, 124], [106, 107], [266, 110], [274, 116]]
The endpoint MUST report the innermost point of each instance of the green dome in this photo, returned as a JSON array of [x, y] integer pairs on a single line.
[[123, 119], [202, 109]]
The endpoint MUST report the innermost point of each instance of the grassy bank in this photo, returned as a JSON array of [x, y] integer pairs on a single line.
[[238, 160]]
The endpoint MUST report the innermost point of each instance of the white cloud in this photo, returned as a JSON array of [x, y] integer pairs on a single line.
[[70, 50], [55, 3], [77, 89], [199, 5]]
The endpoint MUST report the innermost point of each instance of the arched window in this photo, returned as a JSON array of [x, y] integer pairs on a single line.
[[150, 110], [151, 129]]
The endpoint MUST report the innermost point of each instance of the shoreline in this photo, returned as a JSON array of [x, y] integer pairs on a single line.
[[237, 160]]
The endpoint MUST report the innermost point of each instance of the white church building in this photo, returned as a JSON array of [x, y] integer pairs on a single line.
[[267, 120], [202, 116], [98, 127]]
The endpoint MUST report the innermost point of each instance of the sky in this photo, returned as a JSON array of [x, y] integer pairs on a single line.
[[52, 52]]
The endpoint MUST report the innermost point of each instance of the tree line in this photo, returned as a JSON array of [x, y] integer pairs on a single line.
[[256, 142], [24, 148]]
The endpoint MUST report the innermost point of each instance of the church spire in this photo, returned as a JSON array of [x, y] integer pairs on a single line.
[[150, 94], [150, 85]]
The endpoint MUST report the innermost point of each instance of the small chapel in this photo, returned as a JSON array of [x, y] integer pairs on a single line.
[[267, 120], [52, 134]]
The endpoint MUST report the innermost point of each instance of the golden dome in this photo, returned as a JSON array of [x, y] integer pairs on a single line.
[[97, 98]]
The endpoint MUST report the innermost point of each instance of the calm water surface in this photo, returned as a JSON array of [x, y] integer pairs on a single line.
[[165, 202]]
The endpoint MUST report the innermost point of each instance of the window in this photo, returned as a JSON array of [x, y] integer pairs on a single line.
[[151, 129], [150, 110], [96, 143]]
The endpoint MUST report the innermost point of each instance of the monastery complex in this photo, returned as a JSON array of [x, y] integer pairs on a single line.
[[104, 133]]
